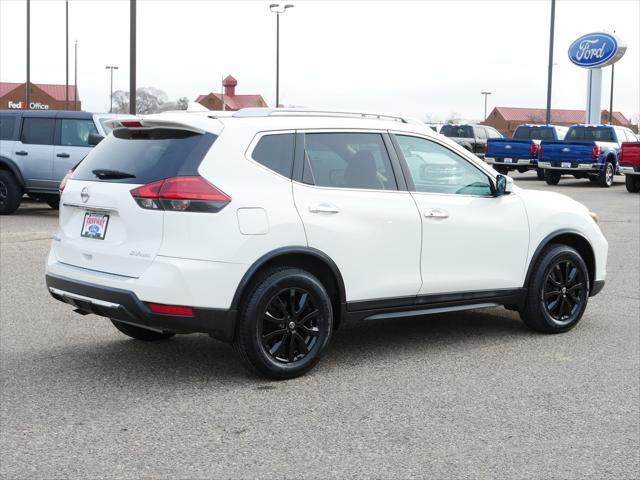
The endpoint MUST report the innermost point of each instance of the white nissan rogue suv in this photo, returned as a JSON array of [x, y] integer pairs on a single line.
[[268, 228]]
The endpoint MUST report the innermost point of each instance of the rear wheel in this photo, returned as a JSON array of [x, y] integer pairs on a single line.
[[540, 173], [285, 324], [632, 182], [140, 333], [558, 291], [552, 177], [10, 193], [523, 169], [605, 177]]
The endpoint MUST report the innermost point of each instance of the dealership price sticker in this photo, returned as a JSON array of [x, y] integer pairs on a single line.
[[94, 225]]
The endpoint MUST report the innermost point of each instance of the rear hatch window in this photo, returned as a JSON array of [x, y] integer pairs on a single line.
[[144, 156]]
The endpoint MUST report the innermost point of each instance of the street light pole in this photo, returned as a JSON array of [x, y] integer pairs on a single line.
[[486, 94], [75, 78], [27, 93], [66, 55], [277, 9], [132, 57], [112, 68], [550, 72]]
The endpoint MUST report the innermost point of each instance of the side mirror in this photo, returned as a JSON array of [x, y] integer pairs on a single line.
[[504, 185], [94, 139]]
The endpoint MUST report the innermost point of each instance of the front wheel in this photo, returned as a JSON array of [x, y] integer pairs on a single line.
[[558, 291], [552, 177], [10, 193], [140, 333], [605, 177], [540, 173], [632, 182], [285, 324]]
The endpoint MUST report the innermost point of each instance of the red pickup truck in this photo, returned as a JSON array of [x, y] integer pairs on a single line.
[[630, 165]]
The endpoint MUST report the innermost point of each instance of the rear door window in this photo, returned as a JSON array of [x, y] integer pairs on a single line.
[[75, 132], [276, 153], [38, 131], [7, 127], [140, 157], [348, 160]]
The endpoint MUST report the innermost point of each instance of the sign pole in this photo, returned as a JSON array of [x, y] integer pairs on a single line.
[[594, 96], [550, 71]]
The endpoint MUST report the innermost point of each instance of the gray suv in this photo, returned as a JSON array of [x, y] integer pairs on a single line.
[[37, 148]]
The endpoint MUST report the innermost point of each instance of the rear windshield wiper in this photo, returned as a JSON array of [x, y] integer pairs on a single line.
[[106, 174]]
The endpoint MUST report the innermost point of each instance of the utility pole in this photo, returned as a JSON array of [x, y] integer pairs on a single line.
[[66, 55], [277, 9], [75, 78], [550, 72], [112, 68], [132, 57], [27, 94], [486, 94]]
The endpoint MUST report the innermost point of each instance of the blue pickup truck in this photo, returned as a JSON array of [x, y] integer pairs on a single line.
[[521, 152], [588, 151]]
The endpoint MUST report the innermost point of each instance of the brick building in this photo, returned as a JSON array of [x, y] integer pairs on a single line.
[[213, 101], [506, 119], [43, 96]]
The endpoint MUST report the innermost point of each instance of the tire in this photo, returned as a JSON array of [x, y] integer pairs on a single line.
[[10, 193], [632, 182], [523, 169], [540, 173], [605, 177], [53, 201], [501, 170], [551, 282], [282, 302], [140, 333], [552, 177], [593, 178]]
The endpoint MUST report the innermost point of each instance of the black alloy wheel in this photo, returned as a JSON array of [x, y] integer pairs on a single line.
[[4, 193], [289, 329], [565, 291]]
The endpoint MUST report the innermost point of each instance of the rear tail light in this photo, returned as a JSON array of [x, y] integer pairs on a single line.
[[65, 179], [170, 310], [534, 149], [181, 194], [595, 152], [484, 147]]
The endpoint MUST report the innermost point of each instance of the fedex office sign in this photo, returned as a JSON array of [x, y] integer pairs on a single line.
[[23, 105], [596, 50]]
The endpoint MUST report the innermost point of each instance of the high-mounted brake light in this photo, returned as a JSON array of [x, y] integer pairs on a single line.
[[596, 151], [180, 194], [65, 179], [131, 123], [170, 310]]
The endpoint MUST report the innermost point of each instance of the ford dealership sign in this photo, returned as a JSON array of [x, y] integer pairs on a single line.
[[595, 50]]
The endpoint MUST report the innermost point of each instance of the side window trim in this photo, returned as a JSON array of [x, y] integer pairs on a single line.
[[405, 165], [300, 156]]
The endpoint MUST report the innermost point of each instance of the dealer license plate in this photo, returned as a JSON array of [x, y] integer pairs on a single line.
[[565, 164], [94, 225], [508, 160]]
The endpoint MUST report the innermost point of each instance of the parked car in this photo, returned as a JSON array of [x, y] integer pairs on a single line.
[[471, 137], [521, 152], [588, 151], [38, 147], [630, 165], [270, 228]]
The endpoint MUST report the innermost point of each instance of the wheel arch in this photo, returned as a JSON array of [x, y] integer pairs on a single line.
[[310, 259], [9, 165], [573, 239]]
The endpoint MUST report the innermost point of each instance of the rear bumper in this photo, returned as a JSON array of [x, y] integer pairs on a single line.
[[575, 166], [629, 170], [125, 306], [517, 162]]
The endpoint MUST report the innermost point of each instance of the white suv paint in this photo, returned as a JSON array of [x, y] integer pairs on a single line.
[[269, 228]]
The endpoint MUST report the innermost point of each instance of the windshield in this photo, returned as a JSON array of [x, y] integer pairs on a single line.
[[600, 134], [457, 131]]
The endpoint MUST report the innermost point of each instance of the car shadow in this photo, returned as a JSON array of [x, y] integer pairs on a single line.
[[193, 359]]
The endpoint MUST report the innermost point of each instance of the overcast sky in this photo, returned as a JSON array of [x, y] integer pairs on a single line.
[[414, 58]]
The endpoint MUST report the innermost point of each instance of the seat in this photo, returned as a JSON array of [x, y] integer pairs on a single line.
[[361, 172]]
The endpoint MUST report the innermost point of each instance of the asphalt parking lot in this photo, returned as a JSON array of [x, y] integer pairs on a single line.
[[463, 395]]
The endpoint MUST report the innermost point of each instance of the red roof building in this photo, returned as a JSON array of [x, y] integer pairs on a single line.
[[214, 101], [506, 119], [43, 96]]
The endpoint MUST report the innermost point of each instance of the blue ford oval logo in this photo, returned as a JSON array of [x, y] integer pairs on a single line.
[[596, 50]]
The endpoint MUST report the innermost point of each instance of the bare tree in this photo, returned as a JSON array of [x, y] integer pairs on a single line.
[[148, 100], [454, 117], [431, 118]]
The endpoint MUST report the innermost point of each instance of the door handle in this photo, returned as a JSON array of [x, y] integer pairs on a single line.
[[63, 155], [436, 213], [22, 153], [324, 208]]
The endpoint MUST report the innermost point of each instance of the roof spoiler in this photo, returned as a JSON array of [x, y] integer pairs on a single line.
[[146, 124]]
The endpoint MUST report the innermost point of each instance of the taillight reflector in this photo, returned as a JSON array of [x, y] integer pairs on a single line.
[[170, 309], [596, 151], [65, 179], [534, 149], [193, 194]]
